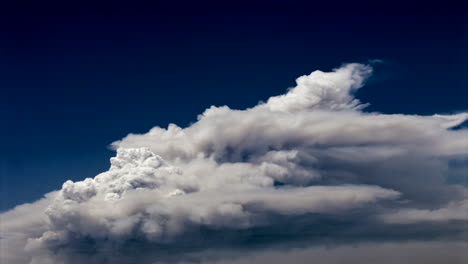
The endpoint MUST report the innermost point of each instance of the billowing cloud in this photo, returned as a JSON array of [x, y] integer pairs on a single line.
[[302, 169]]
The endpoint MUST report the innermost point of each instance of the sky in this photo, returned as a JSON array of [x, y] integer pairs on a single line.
[[354, 146], [77, 77]]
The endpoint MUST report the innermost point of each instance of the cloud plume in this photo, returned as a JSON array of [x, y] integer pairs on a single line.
[[302, 169]]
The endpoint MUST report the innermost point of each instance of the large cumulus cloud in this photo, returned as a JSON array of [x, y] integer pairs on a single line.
[[302, 169]]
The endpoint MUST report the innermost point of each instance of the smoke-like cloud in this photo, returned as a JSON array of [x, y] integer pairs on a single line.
[[305, 168]]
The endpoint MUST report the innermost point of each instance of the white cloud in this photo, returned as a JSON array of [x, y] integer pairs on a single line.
[[287, 164], [324, 90]]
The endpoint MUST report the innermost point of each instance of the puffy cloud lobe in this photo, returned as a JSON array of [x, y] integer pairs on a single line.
[[324, 90], [307, 161]]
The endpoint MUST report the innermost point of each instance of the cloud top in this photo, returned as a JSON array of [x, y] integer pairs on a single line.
[[324, 90]]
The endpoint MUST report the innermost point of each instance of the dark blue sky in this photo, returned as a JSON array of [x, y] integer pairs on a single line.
[[75, 78]]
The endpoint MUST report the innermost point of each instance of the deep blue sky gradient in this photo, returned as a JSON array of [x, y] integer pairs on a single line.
[[76, 77]]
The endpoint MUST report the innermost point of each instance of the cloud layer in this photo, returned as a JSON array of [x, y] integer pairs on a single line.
[[305, 168]]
